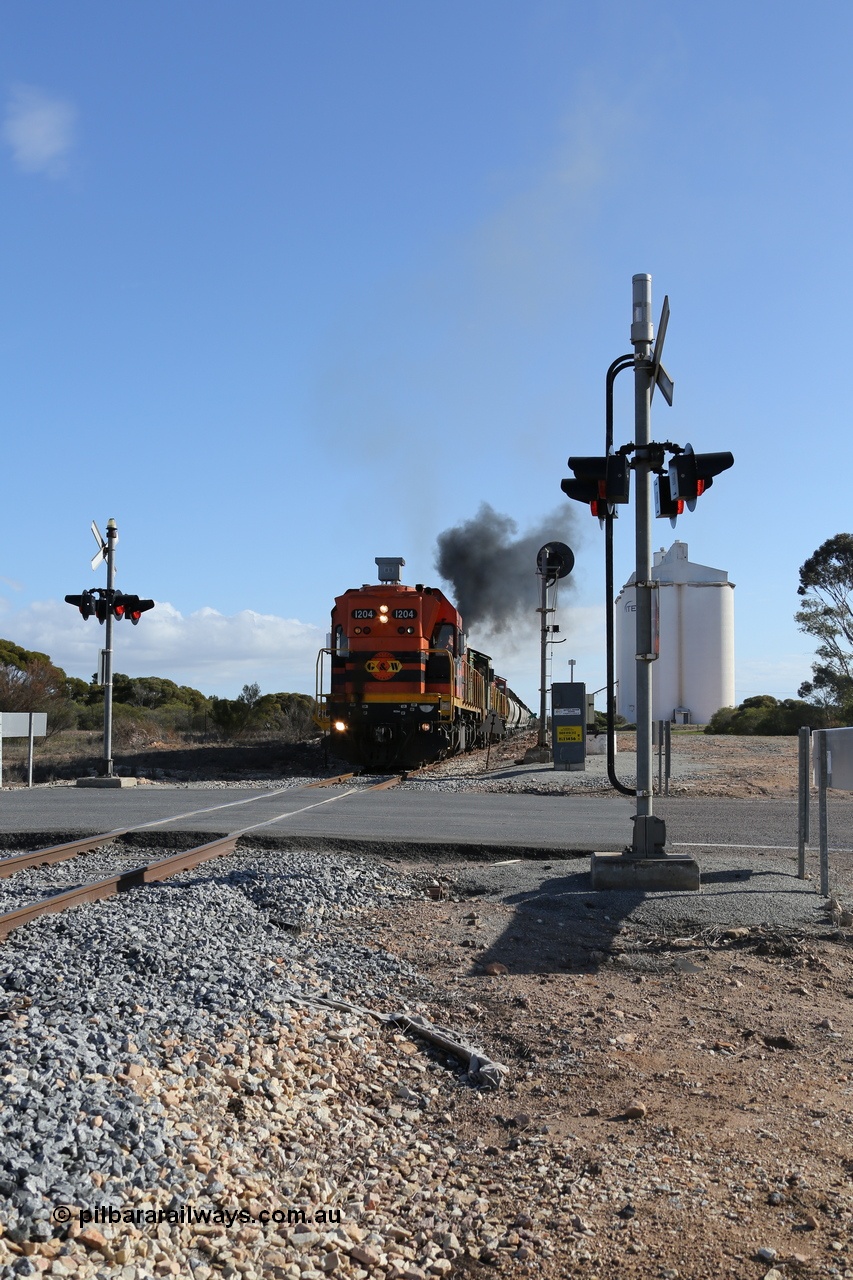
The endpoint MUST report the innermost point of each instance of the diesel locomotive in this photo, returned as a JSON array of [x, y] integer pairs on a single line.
[[404, 688]]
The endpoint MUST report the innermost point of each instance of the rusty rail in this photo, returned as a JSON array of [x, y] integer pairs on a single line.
[[56, 852], [330, 782], [150, 872]]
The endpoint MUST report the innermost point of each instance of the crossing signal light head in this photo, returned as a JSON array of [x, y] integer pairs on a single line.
[[118, 606], [134, 607], [665, 504], [84, 602], [585, 491], [102, 610], [690, 474], [603, 482]]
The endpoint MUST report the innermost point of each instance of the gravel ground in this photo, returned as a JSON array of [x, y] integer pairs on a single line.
[[123, 1025], [677, 1100], [700, 764], [165, 1054], [37, 883]]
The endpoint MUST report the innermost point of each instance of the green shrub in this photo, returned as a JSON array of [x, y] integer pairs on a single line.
[[764, 715]]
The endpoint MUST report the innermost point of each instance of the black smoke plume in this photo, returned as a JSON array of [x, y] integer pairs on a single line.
[[492, 571]]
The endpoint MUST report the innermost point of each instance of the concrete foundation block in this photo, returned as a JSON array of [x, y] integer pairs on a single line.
[[106, 782], [645, 875]]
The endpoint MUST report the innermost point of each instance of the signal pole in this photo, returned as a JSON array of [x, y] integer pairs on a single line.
[[646, 827], [542, 742], [109, 556], [108, 604], [554, 560], [603, 483]]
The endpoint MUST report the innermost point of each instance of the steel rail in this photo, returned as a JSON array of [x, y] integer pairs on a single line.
[[56, 852], [148, 873], [330, 782], [70, 849], [113, 885]]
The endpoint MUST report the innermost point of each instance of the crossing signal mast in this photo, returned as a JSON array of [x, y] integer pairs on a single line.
[[604, 484], [108, 606]]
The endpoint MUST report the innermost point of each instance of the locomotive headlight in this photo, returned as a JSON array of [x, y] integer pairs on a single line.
[[383, 617], [383, 608], [340, 725]]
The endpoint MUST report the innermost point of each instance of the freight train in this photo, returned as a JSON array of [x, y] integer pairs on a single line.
[[404, 687]]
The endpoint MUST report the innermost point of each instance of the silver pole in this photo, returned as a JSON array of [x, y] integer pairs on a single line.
[[660, 734], [822, 817], [112, 535], [30, 754], [543, 667], [803, 799], [641, 338]]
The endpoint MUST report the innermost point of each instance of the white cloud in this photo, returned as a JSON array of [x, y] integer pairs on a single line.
[[40, 131], [219, 654], [206, 649]]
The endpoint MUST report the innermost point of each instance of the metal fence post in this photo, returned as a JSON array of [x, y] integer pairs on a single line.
[[668, 747], [822, 817], [803, 792]]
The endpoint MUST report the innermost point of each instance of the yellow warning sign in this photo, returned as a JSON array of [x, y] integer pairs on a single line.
[[569, 733]]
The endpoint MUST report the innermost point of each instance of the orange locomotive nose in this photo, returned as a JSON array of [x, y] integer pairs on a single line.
[[426, 696]]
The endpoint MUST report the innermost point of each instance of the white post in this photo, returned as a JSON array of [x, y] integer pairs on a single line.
[[30, 754]]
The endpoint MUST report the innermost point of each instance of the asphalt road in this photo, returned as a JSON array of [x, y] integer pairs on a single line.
[[527, 851], [570, 824]]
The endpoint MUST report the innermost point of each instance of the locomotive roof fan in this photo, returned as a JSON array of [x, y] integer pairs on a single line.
[[389, 568]]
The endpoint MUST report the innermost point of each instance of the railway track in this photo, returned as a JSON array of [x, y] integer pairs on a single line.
[[146, 873]]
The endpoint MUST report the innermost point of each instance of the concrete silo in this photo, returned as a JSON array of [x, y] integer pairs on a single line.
[[695, 673]]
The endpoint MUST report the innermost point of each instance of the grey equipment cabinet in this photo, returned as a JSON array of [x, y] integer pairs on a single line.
[[568, 725]]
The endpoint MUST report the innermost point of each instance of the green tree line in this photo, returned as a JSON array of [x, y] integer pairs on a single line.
[[151, 705]]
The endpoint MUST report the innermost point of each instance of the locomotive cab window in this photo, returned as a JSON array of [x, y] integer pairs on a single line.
[[444, 637], [341, 645]]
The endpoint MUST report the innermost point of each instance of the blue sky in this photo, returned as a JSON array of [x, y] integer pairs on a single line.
[[286, 287]]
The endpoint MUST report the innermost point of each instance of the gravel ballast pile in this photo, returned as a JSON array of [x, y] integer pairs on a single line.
[[157, 1052]]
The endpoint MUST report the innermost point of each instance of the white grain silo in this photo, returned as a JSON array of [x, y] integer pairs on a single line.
[[695, 673]]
